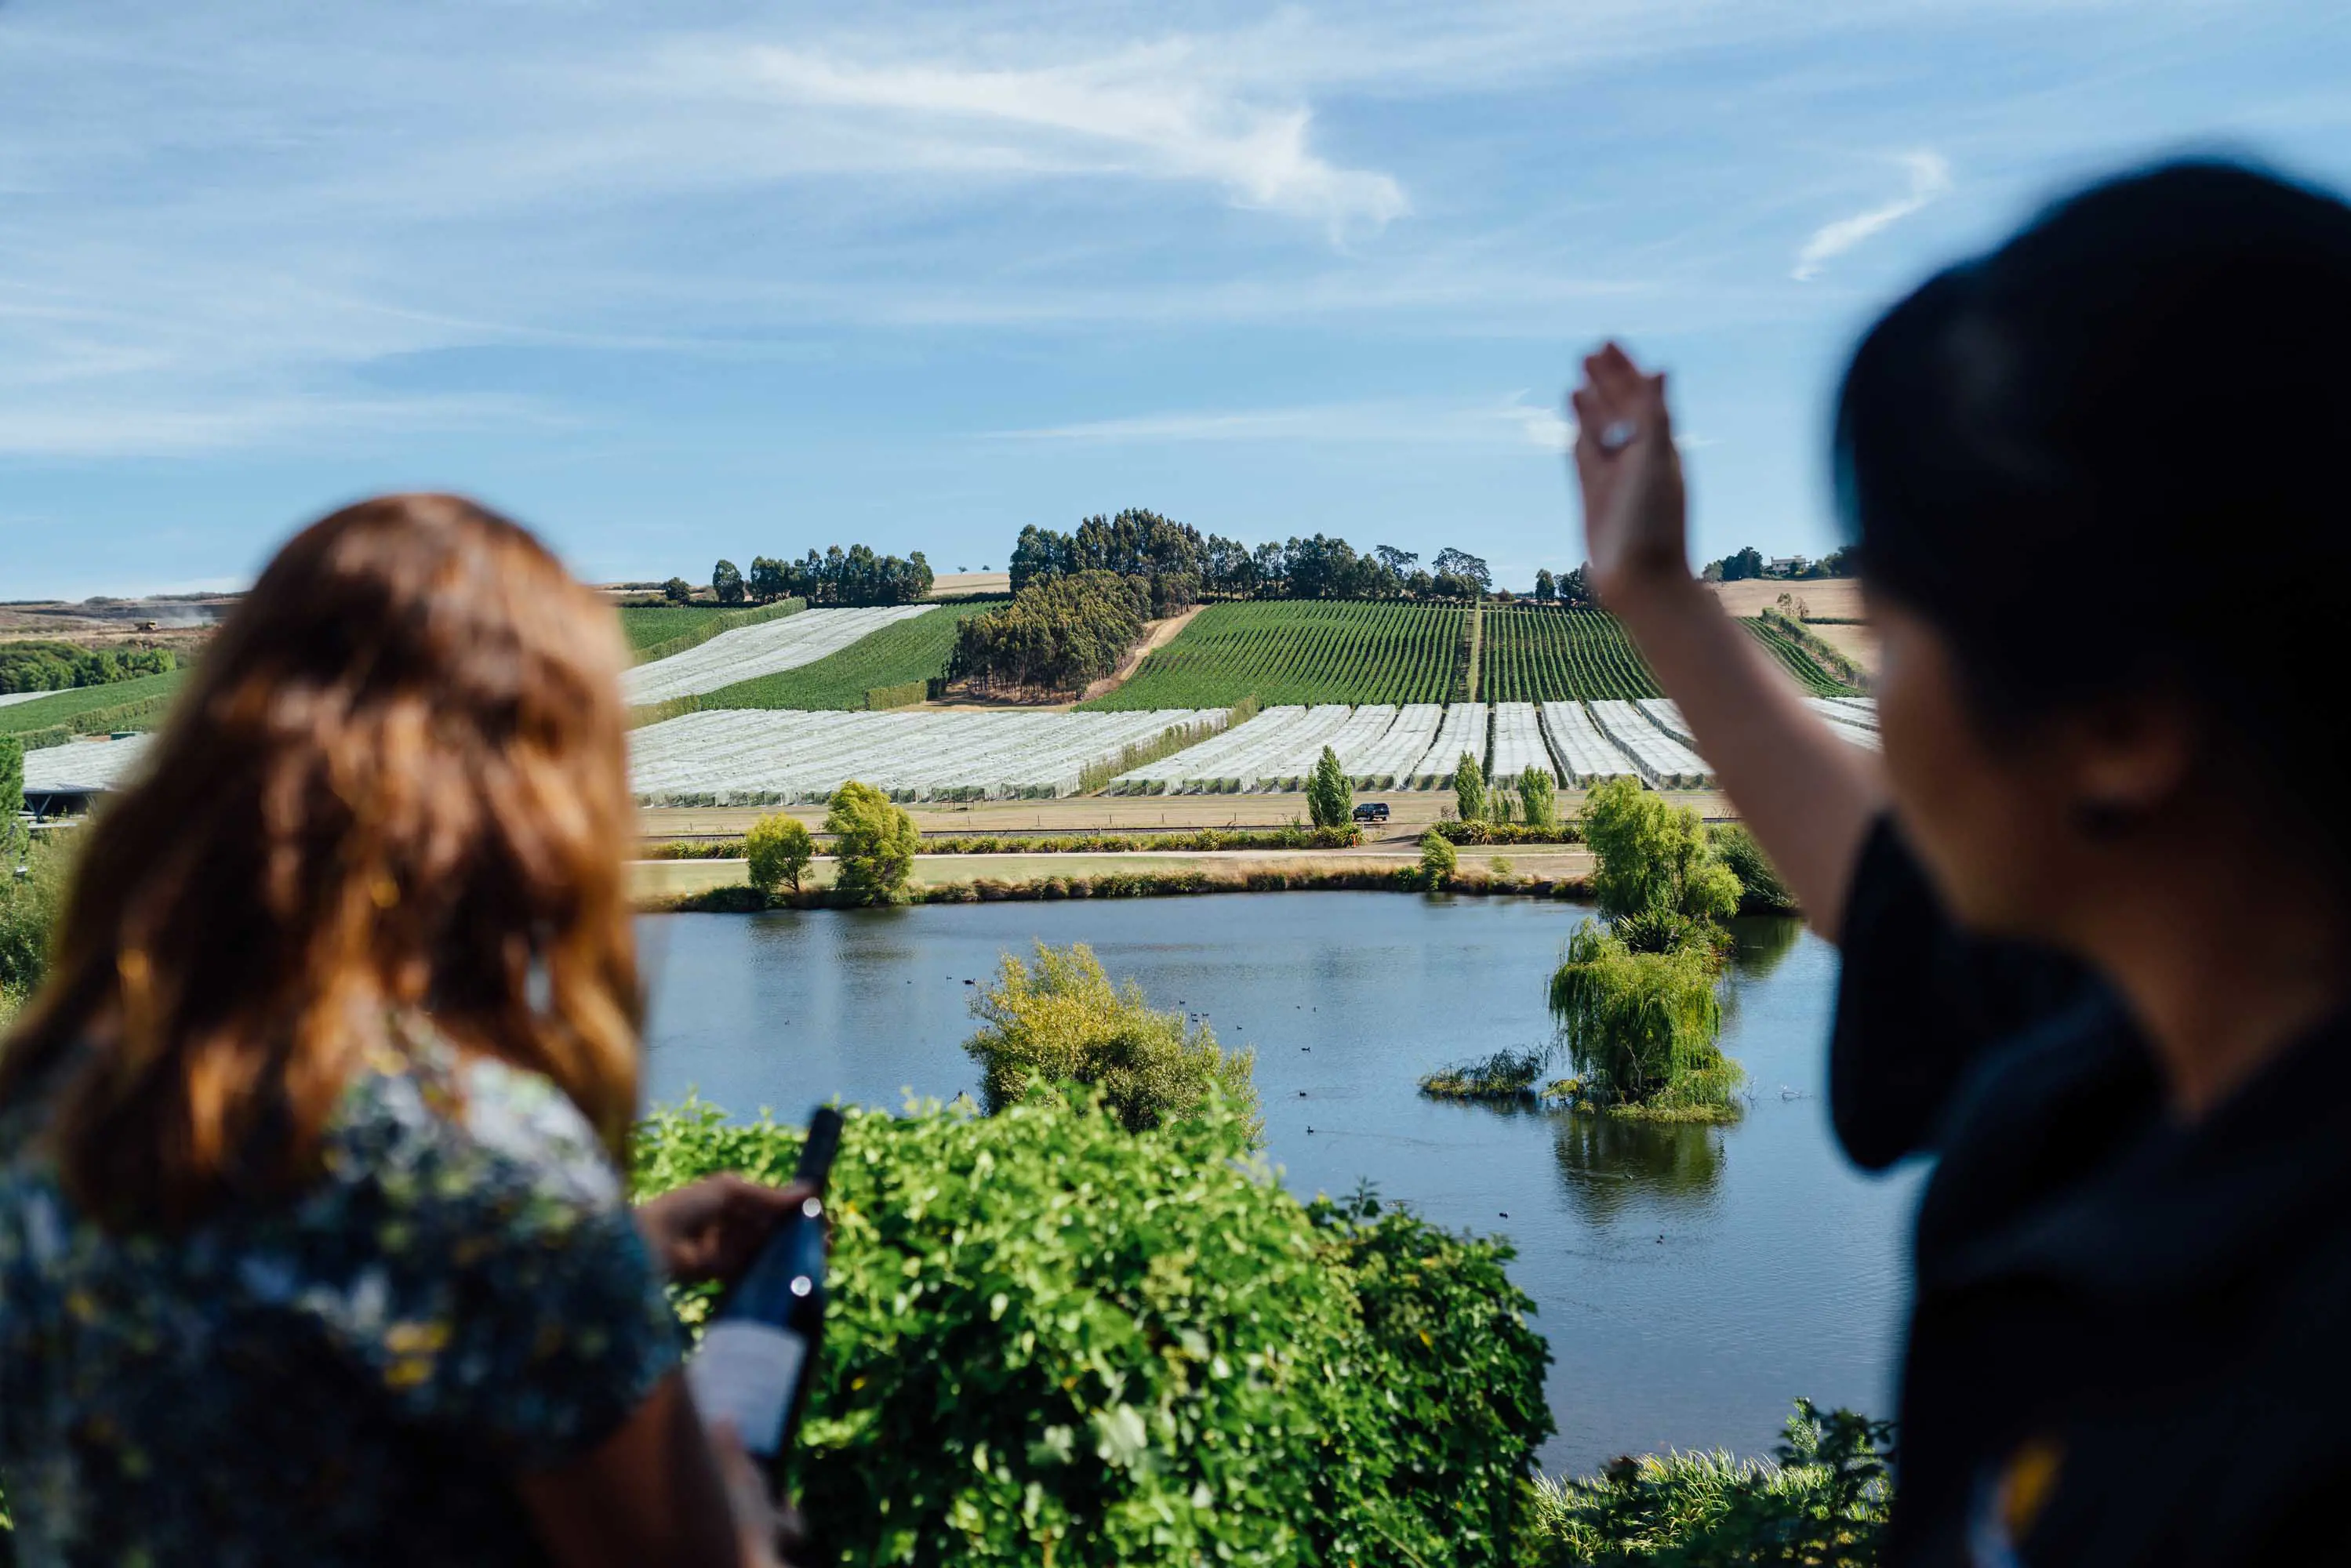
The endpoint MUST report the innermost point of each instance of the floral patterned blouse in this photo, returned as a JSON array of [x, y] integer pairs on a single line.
[[351, 1376]]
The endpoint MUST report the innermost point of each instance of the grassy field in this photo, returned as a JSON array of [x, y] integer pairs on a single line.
[[1535, 655], [1796, 662], [1300, 652], [646, 624], [64, 707], [911, 650]]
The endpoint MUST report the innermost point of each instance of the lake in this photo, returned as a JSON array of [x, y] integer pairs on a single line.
[[1692, 1281]]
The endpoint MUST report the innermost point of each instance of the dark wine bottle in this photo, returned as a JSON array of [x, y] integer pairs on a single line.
[[758, 1352]]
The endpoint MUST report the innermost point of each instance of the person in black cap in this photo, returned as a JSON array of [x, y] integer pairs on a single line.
[[2094, 897]]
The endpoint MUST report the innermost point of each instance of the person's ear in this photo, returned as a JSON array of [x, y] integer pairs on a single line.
[[2125, 758]]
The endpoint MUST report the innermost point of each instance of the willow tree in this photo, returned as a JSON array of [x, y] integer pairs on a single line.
[[1641, 1028]]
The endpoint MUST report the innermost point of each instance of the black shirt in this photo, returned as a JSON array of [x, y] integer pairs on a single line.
[[2127, 1341]]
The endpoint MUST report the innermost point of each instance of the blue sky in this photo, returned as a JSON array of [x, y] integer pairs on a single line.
[[680, 279]]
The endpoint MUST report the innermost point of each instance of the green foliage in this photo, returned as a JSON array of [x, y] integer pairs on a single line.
[[1050, 1339], [779, 849], [1059, 1020], [1760, 891], [1505, 1075], [726, 582], [29, 907], [1538, 799], [135, 703], [904, 693], [1822, 669], [874, 843], [12, 801], [1641, 1028], [1470, 789], [677, 591], [1330, 793], [64, 666], [1439, 863], [1653, 855], [1538, 653], [1058, 634], [858, 575], [1822, 1503], [1492, 832], [1312, 652]]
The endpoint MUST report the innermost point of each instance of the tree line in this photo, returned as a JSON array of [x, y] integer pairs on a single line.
[[60, 667], [1060, 633], [1743, 565], [855, 576], [1180, 564]]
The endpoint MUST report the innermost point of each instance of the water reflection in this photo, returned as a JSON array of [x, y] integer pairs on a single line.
[[1764, 940], [1608, 1165]]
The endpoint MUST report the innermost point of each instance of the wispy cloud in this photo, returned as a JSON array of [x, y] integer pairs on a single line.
[[1930, 178], [1153, 111], [1503, 422]]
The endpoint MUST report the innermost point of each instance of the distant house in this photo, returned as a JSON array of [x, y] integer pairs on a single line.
[[1785, 565]]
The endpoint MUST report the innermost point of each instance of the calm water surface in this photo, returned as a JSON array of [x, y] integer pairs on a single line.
[[1691, 1280]]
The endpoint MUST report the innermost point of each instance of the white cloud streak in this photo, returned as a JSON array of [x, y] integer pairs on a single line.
[[1511, 422], [1930, 179]]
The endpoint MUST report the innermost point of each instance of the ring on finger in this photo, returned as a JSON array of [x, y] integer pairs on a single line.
[[1617, 434]]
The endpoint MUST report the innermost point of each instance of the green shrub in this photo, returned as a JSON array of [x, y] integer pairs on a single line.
[[1469, 788], [1538, 799], [1061, 1021], [1653, 855], [779, 849], [1438, 861], [29, 907], [1822, 1501], [1641, 1028], [1505, 1075], [1053, 1340], [1491, 832], [12, 801], [1760, 891], [1330, 793], [875, 842]]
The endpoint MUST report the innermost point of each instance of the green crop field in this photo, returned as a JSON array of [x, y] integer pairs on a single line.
[[1816, 681], [1535, 655], [1319, 651], [67, 707], [646, 624], [910, 650]]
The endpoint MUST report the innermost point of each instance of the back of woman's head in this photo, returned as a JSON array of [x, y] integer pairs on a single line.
[[2107, 458], [395, 783]]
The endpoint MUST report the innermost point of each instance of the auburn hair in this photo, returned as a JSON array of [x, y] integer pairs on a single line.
[[396, 786]]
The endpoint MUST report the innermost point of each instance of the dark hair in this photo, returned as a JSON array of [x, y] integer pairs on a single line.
[[2111, 455]]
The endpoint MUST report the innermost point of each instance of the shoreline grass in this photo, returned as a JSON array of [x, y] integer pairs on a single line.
[[744, 899]]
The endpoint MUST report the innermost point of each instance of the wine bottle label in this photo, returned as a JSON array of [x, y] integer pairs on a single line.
[[745, 1373]]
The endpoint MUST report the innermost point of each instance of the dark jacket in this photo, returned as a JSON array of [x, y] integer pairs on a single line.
[[2128, 1340]]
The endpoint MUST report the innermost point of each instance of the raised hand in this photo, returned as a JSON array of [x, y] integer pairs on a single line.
[[1635, 515]]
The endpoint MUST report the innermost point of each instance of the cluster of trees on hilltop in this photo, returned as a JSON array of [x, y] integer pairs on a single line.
[[60, 667], [1060, 633], [852, 576], [1741, 565], [1179, 564]]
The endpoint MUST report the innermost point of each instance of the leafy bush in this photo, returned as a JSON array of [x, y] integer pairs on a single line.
[[1821, 1502], [1057, 636], [1507, 834], [12, 800], [874, 843], [62, 666], [1539, 798], [1330, 793], [1653, 855], [29, 907], [1760, 891], [1061, 1021], [1053, 1340], [1505, 1075], [779, 849], [1469, 788], [1641, 1028], [1438, 861]]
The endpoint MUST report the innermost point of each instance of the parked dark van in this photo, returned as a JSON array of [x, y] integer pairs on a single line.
[[1372, 811]]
